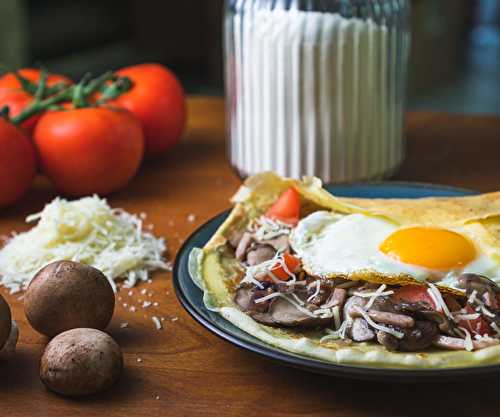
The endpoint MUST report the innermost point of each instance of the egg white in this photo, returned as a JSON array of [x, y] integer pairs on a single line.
[[331, 244]]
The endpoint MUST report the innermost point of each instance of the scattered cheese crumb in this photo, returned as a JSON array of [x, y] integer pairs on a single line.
[[155, 304], [123, 325], [150, 281], [157, 323], [146, 304], [87, 231], [143, 291], [175, 318], [157, 397], [130, 293], [125, 305], [139, 360], [132, 309], [191, 218]]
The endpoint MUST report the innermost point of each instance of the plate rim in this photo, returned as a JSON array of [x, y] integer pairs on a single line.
[[316, 365]]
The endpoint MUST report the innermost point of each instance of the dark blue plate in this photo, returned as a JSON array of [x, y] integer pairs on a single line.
[[190, 297]]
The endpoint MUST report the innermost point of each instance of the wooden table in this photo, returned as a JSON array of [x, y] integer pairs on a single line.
[[186, 371]]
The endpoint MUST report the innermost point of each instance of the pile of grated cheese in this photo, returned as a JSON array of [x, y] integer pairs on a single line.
[[87, 231]]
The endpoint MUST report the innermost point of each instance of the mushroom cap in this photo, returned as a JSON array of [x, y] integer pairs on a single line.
[[66, 295], [81, 362], [5, 322]]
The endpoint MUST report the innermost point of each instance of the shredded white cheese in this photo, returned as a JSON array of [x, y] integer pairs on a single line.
[[472, 297], [317, 284], [436, 296], [87, 231], [469, 346], [377, 326], [266, 229], [374, 295], [157, 323]]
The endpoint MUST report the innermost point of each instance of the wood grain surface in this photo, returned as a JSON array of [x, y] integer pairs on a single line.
[[184, 370]]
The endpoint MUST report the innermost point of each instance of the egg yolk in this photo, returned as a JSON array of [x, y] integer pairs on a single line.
[[431, 248]]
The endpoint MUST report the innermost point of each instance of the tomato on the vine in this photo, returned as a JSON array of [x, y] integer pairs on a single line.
[[17, 101], [157, 99], [17, 163], [89, 150], [10, 81], [13, 96]]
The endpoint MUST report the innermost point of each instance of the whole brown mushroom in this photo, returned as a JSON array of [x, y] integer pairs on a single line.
[[67, 295], [5, 322], [81, 362], [8, 331]]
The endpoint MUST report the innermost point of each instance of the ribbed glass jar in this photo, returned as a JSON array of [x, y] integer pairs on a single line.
[[316, 87]]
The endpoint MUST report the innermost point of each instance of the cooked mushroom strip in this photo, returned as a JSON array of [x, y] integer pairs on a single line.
[[447, 342], [243, 297], [484, 343], [361, 331], [455, 343], [419, 337], [337, 298], [243, 246], [351, 305], [318, 293], [260, 253], [285, 313], [480, 284], [387, 340], [398, 320]]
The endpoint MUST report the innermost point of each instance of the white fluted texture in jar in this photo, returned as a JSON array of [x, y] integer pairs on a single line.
[[314, 92]]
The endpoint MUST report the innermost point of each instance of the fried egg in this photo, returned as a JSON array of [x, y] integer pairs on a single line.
[[360, 246]]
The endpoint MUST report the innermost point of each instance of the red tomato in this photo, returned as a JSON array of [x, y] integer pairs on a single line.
[[18, 100], [477, 326], [17, 163], [287, 208], [33, 75], [158, 100], [413, 294], [90, 150], [292, 263]]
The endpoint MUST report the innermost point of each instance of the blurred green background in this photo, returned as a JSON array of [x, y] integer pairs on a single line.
[[455, 64]]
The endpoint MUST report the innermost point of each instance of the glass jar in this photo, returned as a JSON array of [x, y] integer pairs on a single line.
[[316, 87]]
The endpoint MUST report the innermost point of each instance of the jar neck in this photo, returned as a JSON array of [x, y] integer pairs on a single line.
[[377, 10]]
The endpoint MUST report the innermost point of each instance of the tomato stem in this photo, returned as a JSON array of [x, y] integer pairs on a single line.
[[110, 85], [5, 113]]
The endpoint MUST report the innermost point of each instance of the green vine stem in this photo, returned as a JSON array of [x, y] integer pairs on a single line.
[[109, 85]]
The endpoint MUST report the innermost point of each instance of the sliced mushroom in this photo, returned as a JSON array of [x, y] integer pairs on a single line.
[[337, 298], [447, 342], [387, 340], [243, 246], [398, 320], [419, 337], [286, 314], [243, 298], [361, 331], [350, 309], [260, 253], [479, 283]]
